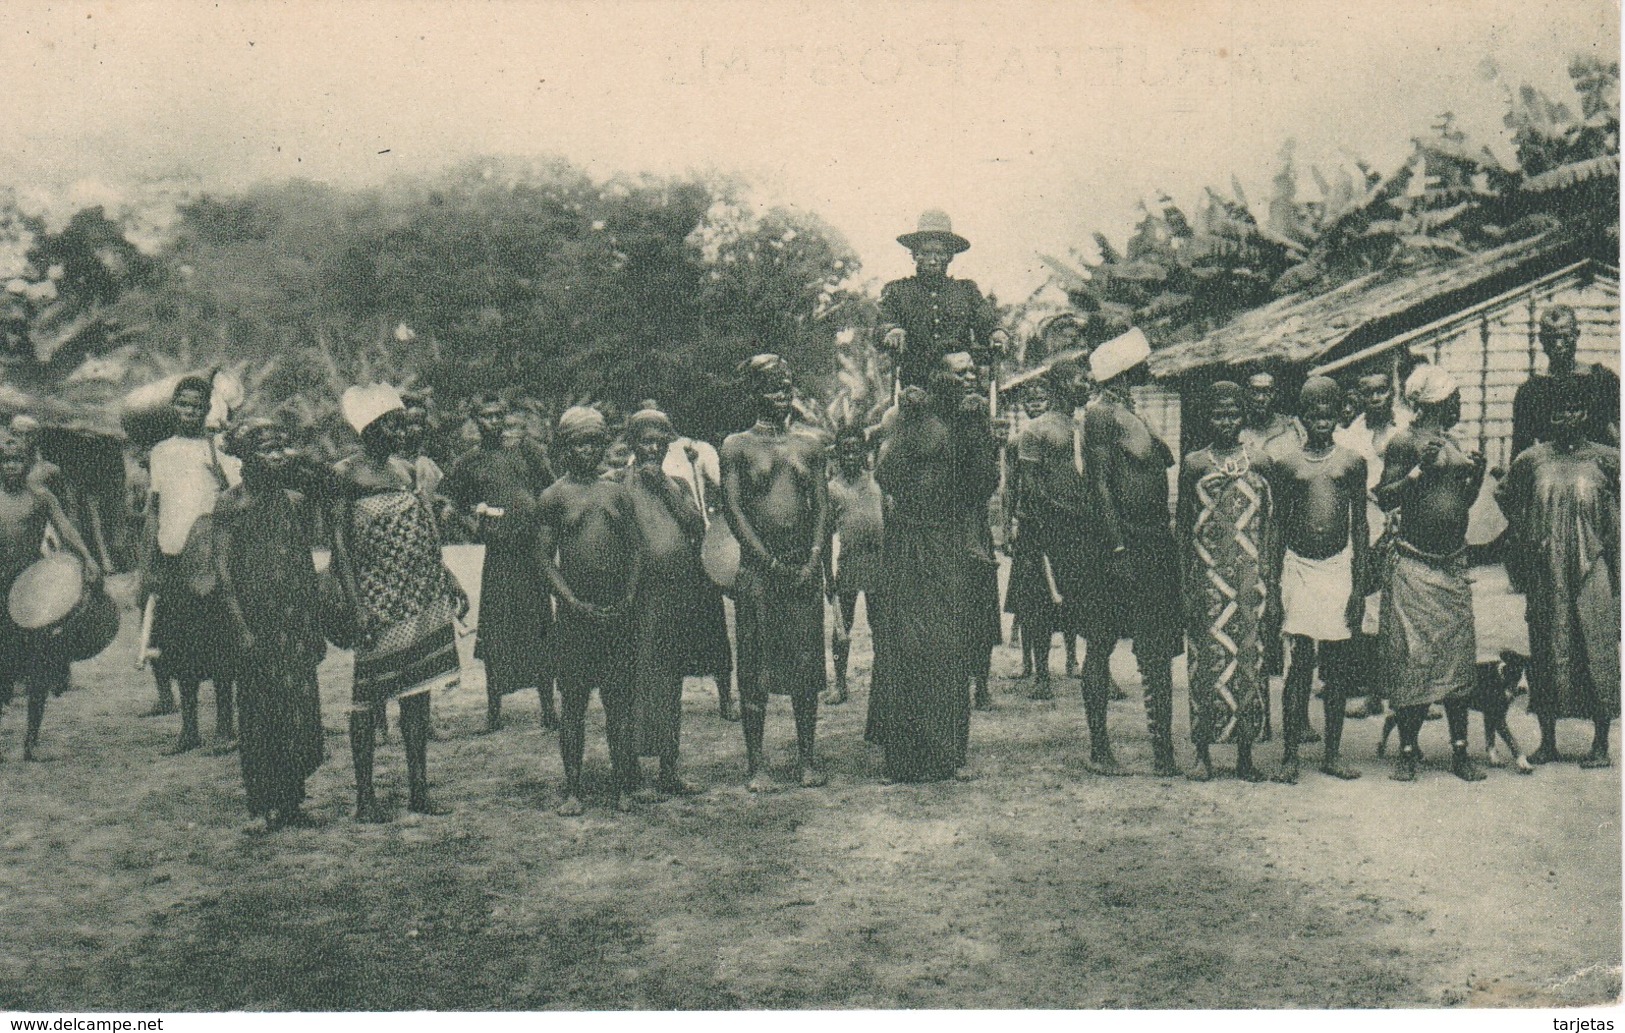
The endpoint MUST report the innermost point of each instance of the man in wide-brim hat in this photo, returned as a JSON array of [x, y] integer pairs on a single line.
[[930, 314]]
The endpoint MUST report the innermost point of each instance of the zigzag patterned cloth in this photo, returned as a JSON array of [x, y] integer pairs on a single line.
[[1225, 595]]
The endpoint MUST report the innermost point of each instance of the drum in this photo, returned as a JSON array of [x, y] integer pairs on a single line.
[[47, 592], [719, 555], [51, 597], [92, 626]]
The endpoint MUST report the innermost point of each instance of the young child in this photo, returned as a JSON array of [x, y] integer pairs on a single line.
[[1224, 522], [588, 548], [855, 508], [33, 658], [1319, 558]]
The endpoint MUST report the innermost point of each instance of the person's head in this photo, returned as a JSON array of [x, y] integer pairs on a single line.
[[26, 429], [377, 414], [851, 448], [1035, 399], [515, 428], [1433, 393], [1559, 336], [14, 461], [1260, 397], [1069, 383], [190, 405], [768, 379], [262, 445], [1320, 402], [580, 440], [1376, 396], [1353, 405], [491, 416], [650, 433], [955, 376], [933, 244], [1224, 413], [417, 418], [1570, 411]]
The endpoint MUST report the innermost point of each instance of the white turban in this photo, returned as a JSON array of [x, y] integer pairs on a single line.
[[1119, 355], [362, 405], [1429, 385]]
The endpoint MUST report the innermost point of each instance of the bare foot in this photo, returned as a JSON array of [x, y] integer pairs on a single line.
[[1466, 770], [759, 782], [1165, 769], [1250, 773], [964, 775], [1202, 772], [1523, 766], [1288, 775], [571, 807], [1308, 737], [1041, 691], [1594, 760], [646, 794], [1405, 768], [812, 778], [1492, 759], [370, 814], [623, 803], [834, 697], [676, 785], [222, 748], [160, 710], [184, 746], [728, 711], [298, 819], [1544, 755], [1106, 764], [37, 757], [1337, 769]]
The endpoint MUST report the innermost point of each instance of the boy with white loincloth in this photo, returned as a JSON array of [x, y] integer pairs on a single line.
[[1320, 557]]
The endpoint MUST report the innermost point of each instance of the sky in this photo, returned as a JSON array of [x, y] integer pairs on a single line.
[[1032, 124]]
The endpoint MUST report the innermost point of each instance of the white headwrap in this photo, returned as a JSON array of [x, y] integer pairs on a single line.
[[1119, 355], [365, 403], [1429, 385]]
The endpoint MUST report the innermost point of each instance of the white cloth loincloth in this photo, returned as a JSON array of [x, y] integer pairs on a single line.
[[1315, 595]]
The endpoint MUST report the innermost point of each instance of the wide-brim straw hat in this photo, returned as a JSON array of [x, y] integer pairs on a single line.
[[934, 225]]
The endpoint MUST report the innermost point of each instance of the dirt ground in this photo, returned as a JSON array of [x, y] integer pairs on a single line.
[[128, 885]]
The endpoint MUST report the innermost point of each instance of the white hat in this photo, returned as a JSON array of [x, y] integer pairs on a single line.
[[1429, 385], [1119, 355], [362, 405]]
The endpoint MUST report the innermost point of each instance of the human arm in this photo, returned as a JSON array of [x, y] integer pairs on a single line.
[[1353, 489], [224, 543], [68, 534], [1100, 432], [733, 506], [1185, 509], [1401, 467], [816, 558], [1524, 416]]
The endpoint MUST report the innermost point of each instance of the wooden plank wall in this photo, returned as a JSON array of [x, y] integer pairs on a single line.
[[1491, 355]]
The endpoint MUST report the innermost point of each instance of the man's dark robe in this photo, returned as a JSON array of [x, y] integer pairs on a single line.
[[937, 472]]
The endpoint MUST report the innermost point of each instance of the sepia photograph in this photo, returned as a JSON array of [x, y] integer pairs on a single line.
[[628, 507]]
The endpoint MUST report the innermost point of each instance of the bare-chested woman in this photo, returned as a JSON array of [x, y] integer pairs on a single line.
[[587, 546], [1320, 558], [1426, 646], [777, 503]]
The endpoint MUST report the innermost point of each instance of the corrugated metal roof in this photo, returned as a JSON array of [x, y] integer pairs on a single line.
[[1300, 328]]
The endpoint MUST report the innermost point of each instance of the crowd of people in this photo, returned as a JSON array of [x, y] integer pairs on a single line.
[[1330, 546]]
